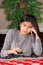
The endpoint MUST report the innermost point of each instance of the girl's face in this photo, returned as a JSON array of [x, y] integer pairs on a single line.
[[25, 27]]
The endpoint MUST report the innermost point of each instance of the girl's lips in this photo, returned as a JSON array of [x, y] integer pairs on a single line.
[[24, 31]]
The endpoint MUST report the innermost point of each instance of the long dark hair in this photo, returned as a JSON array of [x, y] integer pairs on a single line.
[[32, 19]]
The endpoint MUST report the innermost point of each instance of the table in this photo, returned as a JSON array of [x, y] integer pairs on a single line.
[[22, 61]]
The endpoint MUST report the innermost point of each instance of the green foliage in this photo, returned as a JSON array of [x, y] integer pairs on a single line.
[[15, 11]]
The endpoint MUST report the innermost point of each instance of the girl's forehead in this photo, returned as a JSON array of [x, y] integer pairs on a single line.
[[27, 23]]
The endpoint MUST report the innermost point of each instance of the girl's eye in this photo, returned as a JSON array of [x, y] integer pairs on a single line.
[[24, 25], [29, 26]]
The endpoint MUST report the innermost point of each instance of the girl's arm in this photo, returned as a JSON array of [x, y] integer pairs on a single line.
[[7, 43], [37, 44], [37, 47]]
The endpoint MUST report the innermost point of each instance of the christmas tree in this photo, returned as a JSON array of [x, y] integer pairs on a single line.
[[15, 9]]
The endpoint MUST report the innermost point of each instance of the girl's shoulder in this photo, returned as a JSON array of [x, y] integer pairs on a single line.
[[12, 32]]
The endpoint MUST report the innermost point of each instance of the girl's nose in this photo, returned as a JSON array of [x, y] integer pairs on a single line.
[[26, 28]]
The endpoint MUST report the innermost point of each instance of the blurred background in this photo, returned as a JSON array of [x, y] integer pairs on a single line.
[[4, 23]]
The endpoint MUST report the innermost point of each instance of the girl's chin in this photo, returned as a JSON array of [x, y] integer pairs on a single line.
[[24, 33]]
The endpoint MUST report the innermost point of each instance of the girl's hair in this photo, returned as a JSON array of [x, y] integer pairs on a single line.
[[29, 18]]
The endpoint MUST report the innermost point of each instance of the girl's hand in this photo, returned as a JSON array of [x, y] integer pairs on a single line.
[[14, 51], [35, 32]]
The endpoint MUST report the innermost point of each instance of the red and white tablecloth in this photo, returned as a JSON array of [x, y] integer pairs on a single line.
[[22, 62]]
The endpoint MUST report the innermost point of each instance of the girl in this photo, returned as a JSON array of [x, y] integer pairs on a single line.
[[23, 39]]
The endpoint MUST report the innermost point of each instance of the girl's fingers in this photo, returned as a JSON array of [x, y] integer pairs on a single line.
[[33, 30], [17, 49], [15, 52]]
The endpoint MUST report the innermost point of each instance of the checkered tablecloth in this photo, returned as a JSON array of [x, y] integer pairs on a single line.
[[23, 62]]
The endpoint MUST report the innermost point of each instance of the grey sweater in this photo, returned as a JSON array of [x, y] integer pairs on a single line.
[[26, 43]]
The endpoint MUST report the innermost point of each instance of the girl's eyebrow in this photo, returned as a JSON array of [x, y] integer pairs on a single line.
[[28, 26]]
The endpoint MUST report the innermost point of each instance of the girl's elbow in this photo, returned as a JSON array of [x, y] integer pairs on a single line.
[[38, 53]]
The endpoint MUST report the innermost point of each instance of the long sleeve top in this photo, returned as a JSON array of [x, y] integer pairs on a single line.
[[26, 43]]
